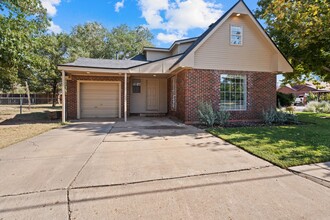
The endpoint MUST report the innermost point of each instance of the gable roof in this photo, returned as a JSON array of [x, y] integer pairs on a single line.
[[215, 24], [177, 42]]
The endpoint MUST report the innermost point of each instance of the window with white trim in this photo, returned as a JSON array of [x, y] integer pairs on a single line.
[[233, 92], [236, 35], [173, 93]]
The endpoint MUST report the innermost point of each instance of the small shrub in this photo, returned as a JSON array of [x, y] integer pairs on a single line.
[[318, 107], [284, 99], [273, 116], [206, 114], [222, 117]]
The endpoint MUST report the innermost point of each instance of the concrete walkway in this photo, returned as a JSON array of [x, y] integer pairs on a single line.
[[148, 168], [319, 172]]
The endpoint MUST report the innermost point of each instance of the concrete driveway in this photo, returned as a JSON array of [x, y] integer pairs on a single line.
[[148, 168]]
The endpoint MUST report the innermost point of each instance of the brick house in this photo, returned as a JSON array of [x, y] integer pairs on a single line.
[[233, 65]]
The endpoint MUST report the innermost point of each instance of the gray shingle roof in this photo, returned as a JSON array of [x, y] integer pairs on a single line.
[[105, 63]]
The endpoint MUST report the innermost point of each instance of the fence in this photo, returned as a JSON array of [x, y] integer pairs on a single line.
[[25, 101]]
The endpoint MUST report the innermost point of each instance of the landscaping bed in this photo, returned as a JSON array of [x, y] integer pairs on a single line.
[[285, 146]]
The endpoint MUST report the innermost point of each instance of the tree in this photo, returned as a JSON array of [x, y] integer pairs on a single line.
[[88, 40], [301, 29], [53, 49], [126, 42], [21, 21], [95, 41]]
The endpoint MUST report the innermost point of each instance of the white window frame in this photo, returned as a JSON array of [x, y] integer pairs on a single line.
[[174, 93], [223, 104], [241, 35]]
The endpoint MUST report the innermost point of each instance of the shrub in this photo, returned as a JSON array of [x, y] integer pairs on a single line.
[[206, 114], [273, 116], [311, 97], [284, 99], [325, 97], [318, 107], [222, 117]]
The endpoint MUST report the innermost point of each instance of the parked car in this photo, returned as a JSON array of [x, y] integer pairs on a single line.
[[298, 101]]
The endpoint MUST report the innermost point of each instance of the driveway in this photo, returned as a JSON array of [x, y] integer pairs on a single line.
[[148, 168]]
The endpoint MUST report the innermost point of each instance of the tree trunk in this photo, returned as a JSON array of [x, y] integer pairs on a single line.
[[28, 94], [54, 89]]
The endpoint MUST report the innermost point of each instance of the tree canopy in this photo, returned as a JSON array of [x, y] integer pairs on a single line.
[[301, 29], [29, 54]]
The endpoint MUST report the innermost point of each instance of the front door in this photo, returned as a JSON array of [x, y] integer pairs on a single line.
[[152, 94]]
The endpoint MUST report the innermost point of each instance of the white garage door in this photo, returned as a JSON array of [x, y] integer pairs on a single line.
[[99, 100]]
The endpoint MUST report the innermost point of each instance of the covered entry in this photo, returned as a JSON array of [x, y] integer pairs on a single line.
[[99, 99]]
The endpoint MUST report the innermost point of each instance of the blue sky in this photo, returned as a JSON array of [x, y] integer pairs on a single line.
[[168, 20]]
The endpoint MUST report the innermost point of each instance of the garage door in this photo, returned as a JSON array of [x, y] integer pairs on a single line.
[[99, 100]]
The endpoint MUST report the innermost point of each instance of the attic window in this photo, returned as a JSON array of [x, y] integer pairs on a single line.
[[236, 35]]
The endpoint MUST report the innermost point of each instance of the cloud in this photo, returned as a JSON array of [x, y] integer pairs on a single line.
[[119, 5], [177, 17], [56, 29], [169, 38], [50, 5]]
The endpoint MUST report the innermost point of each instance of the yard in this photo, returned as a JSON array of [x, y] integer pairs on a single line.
[[15, 127], [284, 146]]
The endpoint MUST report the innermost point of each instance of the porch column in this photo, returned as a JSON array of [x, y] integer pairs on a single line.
[[63, 96], [125, 98]]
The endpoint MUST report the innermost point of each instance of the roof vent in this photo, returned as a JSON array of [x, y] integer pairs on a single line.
[[211, 25]]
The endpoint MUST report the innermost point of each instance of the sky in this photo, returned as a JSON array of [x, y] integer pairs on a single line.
[[168, 20]]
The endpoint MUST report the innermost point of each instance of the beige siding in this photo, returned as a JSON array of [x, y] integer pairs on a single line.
[[138, 101], [254, 55], [183, 47], [99, 100], [156, 55]]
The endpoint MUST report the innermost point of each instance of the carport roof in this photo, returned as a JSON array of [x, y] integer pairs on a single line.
[[104, 63]]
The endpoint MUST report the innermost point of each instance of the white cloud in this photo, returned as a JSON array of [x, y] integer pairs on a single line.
[[54, 28], [177, 17], [169, 38], [119, 5], [50, 5]]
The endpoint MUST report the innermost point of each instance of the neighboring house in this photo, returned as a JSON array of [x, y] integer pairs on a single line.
[[233, 65], [302, 90]]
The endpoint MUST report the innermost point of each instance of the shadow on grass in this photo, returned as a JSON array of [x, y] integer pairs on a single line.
[[29, 118]]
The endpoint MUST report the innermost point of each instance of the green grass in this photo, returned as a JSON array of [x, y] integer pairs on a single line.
[[284, 146]]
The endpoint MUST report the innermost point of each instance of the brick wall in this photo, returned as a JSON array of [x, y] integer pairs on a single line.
[[195, 86], [72, 92]]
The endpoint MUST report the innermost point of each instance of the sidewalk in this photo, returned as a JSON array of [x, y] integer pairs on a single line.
[[319, 172]]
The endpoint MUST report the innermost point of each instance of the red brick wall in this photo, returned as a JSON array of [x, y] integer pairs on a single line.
[[72, 92], [196, 86]]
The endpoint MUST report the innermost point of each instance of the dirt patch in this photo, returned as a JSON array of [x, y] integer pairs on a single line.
[[15, 127]]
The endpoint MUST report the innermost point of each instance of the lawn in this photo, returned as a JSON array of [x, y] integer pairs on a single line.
[[15, 127], [284, 146]]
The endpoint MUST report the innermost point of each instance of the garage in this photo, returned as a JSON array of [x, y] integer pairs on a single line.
[[99, 99]]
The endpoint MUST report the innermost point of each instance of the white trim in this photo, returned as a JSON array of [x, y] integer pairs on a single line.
[[63, 97], [92, 69], [96, 81], [230, 34], [125, 98]]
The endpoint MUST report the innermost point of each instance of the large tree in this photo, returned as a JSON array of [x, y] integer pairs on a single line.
[[301, 29], [21, 21], [95, 41], [53, 50]]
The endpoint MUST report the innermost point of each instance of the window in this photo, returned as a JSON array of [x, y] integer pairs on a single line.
[[236, 35], [173, 93], [233, 92], [136, 86]]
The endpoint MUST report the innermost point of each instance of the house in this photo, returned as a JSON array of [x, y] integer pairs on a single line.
[[302, 90], [233, 65]]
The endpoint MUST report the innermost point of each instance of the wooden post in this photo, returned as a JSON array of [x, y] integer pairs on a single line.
[[125, 98], [63, 96]]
